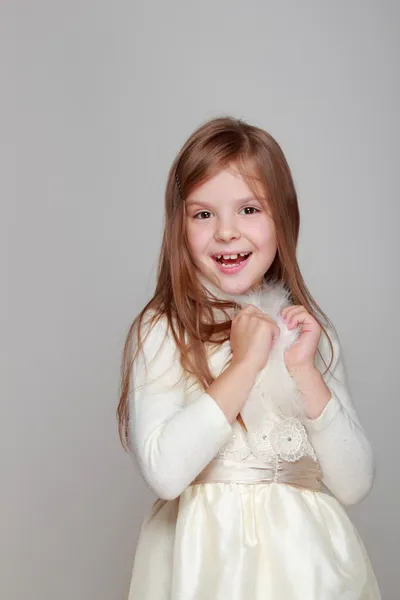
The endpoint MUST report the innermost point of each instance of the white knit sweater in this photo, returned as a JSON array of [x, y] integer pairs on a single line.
[[176, 428]]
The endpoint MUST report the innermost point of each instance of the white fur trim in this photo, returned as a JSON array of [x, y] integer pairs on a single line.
[[274, 388]]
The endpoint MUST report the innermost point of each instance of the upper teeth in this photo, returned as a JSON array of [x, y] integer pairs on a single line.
[[233, 256]]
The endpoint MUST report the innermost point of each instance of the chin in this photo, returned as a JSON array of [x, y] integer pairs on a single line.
[[230, 284], [235, 287]]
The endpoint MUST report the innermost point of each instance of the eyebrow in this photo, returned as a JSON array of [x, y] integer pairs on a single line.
[[194, 201]]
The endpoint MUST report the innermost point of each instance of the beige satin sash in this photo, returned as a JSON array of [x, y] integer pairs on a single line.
[[304, 473]]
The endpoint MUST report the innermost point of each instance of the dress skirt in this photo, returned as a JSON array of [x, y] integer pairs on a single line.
[[240, 541]]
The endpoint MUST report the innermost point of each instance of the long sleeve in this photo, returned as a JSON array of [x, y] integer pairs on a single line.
[[339, 441], [171, 441]]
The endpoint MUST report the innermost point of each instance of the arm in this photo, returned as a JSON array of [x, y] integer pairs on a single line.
[[339, 441], [172, 442]]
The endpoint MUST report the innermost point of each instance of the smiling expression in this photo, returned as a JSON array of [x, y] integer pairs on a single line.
[[231, 236]]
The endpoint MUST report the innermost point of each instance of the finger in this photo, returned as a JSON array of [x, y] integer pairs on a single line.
[[258, 319], [248, 309], [301, 318], [264, 317], [289, 309], [273, 326], [285, 310], [295, 310]]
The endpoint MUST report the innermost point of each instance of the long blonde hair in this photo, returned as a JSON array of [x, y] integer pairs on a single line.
[[179, 296]]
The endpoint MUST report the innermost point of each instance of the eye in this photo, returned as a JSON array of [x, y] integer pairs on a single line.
[[204, 214], [250, 210]]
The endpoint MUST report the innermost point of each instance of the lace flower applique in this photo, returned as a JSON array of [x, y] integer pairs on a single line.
[[286, 438]]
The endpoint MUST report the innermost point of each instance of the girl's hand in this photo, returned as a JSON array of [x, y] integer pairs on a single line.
[[252, 336], [302, 353]]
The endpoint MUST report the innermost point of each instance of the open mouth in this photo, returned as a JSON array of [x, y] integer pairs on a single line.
[[231, 260]]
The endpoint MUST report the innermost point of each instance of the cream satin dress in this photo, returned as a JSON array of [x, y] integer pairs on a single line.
[[258, 523]]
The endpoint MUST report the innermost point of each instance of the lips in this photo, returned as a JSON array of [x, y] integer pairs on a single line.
[[230, 264]]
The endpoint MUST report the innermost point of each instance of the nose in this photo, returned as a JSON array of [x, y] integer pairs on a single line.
[[226, 231]]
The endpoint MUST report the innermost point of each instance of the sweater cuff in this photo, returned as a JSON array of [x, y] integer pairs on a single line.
[[326, 417], [214, 414]]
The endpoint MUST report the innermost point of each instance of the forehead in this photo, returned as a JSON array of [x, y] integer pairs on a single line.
[[228, 184]]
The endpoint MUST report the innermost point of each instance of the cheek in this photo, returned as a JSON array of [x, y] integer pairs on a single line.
[[197, 239], [263, 234], [268, 242]]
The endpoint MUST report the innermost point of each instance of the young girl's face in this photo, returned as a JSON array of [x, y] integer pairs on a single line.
[[231, 236]]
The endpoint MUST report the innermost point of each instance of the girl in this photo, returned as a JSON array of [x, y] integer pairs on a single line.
[[234, 400]]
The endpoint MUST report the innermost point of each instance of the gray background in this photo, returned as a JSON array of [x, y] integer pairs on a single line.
[[97, 97]]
